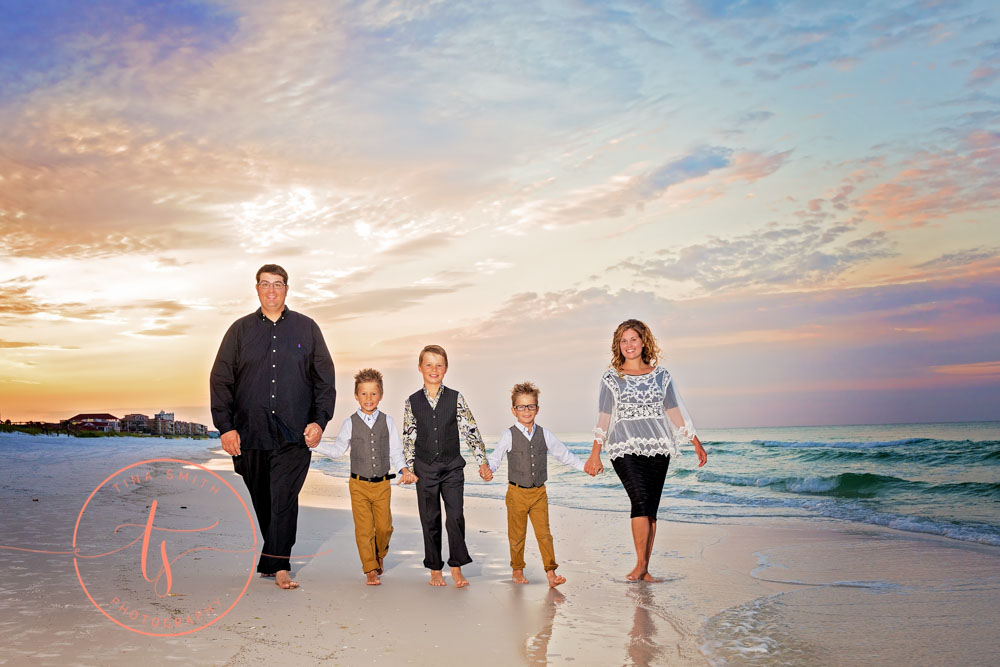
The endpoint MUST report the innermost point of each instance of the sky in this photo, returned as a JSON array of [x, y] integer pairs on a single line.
[[801, 200]]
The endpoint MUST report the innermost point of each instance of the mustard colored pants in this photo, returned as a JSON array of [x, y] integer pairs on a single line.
[[372, 520], [523, 504]]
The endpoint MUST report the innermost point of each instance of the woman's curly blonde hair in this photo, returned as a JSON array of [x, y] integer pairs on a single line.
[[650, 350]]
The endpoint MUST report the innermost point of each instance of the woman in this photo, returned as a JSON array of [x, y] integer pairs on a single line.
[[642, 421]]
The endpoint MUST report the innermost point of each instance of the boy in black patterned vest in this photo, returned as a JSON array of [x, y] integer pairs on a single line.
[[375, 450], [526, 446], [437, 421]]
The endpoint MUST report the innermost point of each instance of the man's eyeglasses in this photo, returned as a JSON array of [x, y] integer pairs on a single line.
[[264, 285], [522, 408]]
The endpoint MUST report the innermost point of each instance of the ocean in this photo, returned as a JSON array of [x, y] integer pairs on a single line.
[[942, 479]]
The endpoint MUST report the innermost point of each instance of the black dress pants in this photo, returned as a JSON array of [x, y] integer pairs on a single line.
[[274, 478], [437, 481]]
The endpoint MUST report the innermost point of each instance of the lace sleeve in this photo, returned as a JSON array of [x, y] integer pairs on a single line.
[[679, 422], [605, 408]]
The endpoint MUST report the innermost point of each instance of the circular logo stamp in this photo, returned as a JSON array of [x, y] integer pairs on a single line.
[[161, 547]]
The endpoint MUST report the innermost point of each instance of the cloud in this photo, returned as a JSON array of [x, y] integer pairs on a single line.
[[375, 301], [772, 258], [935, 185], [961, 258], [988, 368], [10, 344], [164, 331]]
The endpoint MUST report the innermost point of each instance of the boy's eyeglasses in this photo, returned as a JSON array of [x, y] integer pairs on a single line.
[[522, 408], [264, 285]]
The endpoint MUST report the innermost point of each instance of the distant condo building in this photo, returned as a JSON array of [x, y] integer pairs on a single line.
[[162, 423]]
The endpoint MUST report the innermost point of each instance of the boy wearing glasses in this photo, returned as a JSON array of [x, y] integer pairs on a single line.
[[526, 445]]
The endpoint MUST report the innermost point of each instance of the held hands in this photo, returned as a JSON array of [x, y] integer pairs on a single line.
[[593, 465], [312, 433], [231, 442], [485, 472], [407, 477]]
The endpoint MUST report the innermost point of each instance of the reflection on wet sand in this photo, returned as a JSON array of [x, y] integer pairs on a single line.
[[642, 648], [537, 646]]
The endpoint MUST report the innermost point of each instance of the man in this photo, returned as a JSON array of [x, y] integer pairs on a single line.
[[272, 389]]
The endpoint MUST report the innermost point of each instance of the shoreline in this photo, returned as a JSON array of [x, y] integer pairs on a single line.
[[750, 590]]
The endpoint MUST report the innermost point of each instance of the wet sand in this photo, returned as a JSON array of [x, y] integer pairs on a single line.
[[759, 592]]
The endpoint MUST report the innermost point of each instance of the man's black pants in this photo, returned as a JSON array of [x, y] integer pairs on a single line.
[[439, 481], [274, 478]]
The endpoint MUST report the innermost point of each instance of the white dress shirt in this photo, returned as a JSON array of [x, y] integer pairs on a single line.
[[559, 451], [342, 442]]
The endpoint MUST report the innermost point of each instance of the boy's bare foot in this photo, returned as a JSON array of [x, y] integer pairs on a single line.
[[460, 580], [518, 577], [373, 579], [283, 579], [437, 579], [555, 579]]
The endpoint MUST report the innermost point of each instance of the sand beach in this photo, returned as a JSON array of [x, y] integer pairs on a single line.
[[779, 590]]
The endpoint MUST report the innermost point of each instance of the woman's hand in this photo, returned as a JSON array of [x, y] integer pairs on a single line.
[[593, 464], [700, 452]]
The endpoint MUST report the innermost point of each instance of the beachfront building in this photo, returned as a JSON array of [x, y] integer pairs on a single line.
[[101, 421], [135, 423], [161, 426]]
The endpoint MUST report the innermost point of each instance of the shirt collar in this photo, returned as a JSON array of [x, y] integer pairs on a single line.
[[437, 395], [261, 316], [525, 431], [368, 419]]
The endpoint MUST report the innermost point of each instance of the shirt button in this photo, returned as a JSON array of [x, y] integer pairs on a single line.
[[273, 350], [272, 395], [272, 381]]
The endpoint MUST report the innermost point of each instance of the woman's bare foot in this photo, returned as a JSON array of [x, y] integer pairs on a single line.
[[460, 580], [437, 579], [283, 579], [555, 579], [372, 577], [640, 573], [518, 577]]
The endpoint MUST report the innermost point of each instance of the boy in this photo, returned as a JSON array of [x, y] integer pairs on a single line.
[[375, 449], [527, 444], [436, 423]]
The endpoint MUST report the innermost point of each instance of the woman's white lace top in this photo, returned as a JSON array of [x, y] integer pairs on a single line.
[[642, 414]]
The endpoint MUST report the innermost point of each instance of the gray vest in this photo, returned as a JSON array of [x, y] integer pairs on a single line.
[[369, 447], [526, 458]]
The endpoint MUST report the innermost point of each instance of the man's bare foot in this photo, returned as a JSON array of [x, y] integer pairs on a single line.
[[555, 579], [264, 575], [372, 577], [437, 579], [379, 568], [460, 580], [517, 576], [283, 579]]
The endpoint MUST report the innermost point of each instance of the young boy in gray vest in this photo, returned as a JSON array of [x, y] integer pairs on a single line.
[[437, 423], [526, 444], [375, 450]]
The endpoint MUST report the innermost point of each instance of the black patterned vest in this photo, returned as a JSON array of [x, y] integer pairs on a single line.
[[437, 428], [526, 459], [369, 447]]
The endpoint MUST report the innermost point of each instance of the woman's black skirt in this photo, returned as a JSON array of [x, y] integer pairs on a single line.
[[642, 477]]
